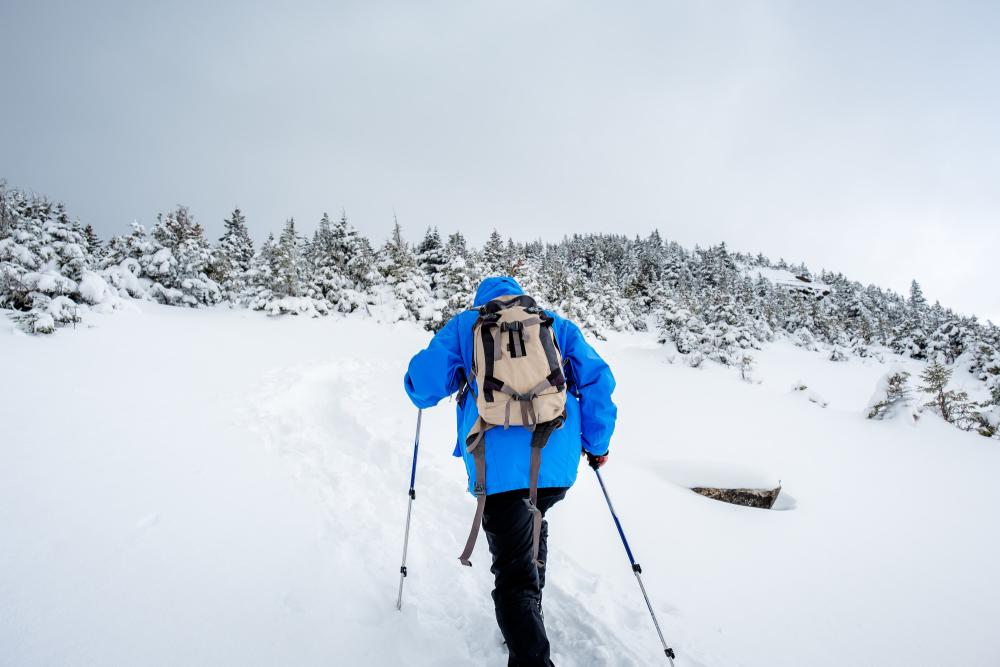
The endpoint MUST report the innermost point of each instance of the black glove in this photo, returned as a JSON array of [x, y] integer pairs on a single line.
[[595, 461]]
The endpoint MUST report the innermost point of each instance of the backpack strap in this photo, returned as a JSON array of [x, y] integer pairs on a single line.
[[529, 418], [539, 439], [464, 386], [505, 302], [515, 338], [478, 450], [491, 350], [556, 377]]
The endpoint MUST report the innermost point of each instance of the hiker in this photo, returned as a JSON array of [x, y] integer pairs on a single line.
[[516, 439]]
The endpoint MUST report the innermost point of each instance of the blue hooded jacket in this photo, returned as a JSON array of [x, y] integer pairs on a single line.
[[437, 371]]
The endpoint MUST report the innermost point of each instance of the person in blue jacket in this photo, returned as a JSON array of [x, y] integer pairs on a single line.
[[437, 372]]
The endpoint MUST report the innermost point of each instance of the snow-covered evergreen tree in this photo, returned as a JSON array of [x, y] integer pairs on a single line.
[[261, 279], [457, 279], [607, 308], [341, 264], [494, 256], [407, 284], [94, 245], [362, 260], [953, 406], [232, 257], [327, 263], [289, 263], [917, 300], [128, 262], [431, 257], [182, 261], [892, 393], [44, 258]]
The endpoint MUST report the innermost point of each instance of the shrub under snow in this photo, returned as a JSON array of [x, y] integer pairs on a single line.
[[892, 394]]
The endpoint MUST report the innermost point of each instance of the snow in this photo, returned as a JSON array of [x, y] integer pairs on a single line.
[[94, 289], [292, 305], [42, 323], [219, 487], [787, 279]]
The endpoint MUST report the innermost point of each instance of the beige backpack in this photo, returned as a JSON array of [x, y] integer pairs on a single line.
[[517, 370]]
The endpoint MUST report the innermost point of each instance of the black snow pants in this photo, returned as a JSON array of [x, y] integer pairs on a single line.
[[517, 596]]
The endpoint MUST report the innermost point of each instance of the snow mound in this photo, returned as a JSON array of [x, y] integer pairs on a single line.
[[292, 305], [716, 474]]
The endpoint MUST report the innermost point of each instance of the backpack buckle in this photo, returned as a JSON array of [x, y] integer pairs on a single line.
[[512, 326], [478, 490]]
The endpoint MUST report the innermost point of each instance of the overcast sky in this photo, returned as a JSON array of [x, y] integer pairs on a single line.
[[862, 137]]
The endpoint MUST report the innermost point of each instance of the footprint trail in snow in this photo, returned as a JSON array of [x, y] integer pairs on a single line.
[[352, 453]]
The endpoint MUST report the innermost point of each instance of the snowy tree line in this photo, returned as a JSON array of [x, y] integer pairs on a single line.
[[706, 303]]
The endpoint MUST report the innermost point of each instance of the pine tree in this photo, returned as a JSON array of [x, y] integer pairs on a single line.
[[182, 263], [917, 300], [44, 256], [431, 257], [607, 308], [646, 285], [327, 263], [232, 257], [684, 329], [408, 285], [985, 366], [953, 406], [397, 258], [288, 263], [93, 241], [893, 392], [557, 280], [458, 279], [261, 278], [357, 254], [494, 256]]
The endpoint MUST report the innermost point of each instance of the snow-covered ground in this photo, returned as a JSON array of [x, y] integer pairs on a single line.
[[183, 487]]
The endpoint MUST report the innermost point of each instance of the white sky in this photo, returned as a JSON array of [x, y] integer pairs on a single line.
[[857, 136]]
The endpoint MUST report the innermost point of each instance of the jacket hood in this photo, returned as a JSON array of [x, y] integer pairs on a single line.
[[491, 288]]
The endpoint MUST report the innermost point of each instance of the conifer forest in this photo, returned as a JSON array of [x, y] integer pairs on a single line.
[[709, 304]]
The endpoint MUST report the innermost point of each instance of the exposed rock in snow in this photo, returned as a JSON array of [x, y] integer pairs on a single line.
[[798, 283], [762, 498]]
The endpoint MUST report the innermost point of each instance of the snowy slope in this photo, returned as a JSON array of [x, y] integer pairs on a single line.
[[206, 488]]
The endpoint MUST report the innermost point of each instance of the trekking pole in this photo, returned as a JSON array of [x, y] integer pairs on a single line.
[[409, 510], [636, 569]]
